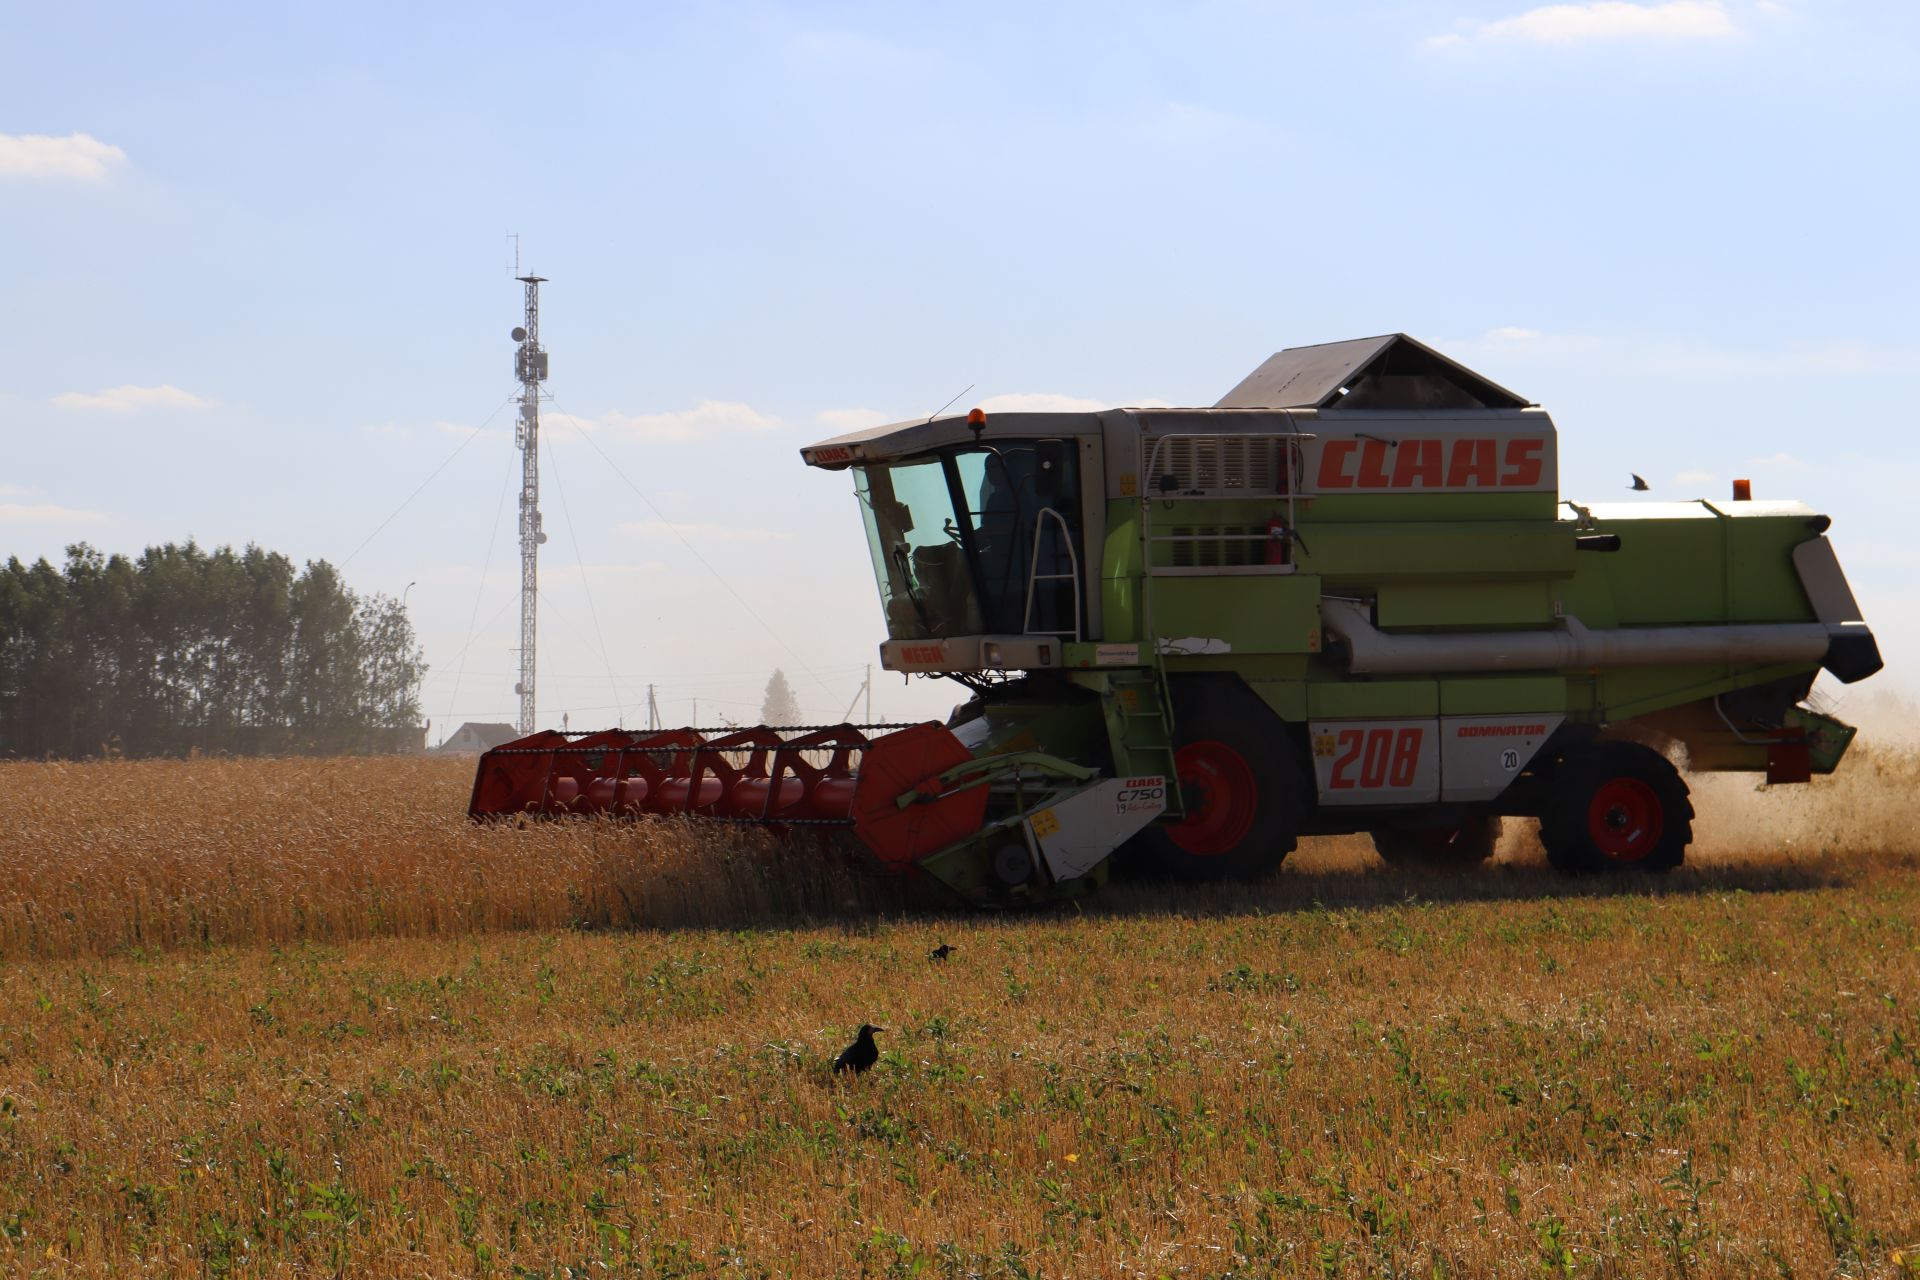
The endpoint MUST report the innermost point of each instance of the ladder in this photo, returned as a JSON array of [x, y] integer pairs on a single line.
[[1140, 726]]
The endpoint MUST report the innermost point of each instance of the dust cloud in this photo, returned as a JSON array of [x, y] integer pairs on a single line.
[[1869, 809]]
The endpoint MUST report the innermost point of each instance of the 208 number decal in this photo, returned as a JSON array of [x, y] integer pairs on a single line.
[[1386, 758]]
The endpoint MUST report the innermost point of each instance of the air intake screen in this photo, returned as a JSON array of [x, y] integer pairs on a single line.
[[1220, 464]]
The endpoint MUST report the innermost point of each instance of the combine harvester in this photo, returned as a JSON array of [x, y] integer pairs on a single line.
[[1347, 598]]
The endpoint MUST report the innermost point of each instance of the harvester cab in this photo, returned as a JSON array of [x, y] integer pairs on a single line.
[[1347, 598]]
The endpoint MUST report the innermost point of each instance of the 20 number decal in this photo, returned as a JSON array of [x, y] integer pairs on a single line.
[[1386, 757]]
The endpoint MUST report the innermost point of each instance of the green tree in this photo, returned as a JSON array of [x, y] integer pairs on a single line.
[[779, 706], [185, 649]]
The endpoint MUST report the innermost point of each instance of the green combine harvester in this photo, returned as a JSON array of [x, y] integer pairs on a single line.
[[1347, 598]]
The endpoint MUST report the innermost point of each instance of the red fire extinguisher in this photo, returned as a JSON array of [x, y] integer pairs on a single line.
[[1279, 541]]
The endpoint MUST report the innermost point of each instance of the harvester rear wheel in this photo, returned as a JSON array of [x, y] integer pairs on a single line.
[[1242, 783], [1412, 845], [1617, 806]]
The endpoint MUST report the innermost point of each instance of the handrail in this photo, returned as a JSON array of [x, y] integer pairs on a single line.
[[1294, 438], [1296, 467], [1034, 575]]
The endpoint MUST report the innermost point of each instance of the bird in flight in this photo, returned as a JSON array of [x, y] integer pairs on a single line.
[[940, 952], [1638, 485], [861, 1054]]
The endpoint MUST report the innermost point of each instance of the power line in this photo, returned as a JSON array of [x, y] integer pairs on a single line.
[[599, 636], [485, 565], [674, 682], [574, 421], [444, 464], [576, 629], [824, 717]]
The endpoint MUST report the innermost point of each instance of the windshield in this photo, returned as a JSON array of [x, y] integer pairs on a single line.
[[952, 538], [918, 557]]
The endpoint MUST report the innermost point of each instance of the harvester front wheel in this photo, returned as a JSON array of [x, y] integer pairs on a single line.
[[1617, 806], [1241, 781], [1464, 845]]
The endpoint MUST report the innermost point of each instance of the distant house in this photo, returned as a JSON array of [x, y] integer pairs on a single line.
[[476, 736]]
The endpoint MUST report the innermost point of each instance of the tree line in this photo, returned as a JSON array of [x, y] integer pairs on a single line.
[[183, 649]]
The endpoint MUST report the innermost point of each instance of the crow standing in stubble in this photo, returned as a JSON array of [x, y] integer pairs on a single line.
[[861, 1054]]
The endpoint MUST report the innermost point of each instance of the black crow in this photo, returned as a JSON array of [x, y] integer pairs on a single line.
[[940, 952], [1638, 485], [861, 1054]]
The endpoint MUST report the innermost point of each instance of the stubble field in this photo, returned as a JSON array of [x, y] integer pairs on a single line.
[[299, 1018]]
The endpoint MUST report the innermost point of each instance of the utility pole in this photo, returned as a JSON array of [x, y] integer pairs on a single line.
[[653, 710], [864, 691], [530, 367]]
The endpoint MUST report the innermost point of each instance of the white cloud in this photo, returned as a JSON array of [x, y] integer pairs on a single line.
[[14, 491], [127, 398], [437, 429], [1603, 20], [1510, 333], [1054, 402], [555, 418], [45, 513], [694, 531], [39, 155], [1042, 402], [845, 420], [464, 429], [1777, 460], [705, 420]]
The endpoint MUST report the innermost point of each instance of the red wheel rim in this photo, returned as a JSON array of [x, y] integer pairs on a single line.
[[1221, 798], [1624, 819]]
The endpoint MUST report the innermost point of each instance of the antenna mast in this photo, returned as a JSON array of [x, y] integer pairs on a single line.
[[530, 367]]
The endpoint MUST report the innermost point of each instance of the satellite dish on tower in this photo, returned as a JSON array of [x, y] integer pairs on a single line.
[[519, 334]]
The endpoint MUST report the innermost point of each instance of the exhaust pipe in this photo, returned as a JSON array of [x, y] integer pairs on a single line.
[[1374, 652]]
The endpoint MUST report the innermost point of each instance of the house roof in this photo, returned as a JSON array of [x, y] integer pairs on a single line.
[[1391, 371], [489, 733]]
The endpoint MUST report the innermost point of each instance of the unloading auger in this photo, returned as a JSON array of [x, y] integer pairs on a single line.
[[1346, 598]]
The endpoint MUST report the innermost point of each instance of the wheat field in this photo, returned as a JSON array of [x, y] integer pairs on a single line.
[[300, 1018], [120, 857]]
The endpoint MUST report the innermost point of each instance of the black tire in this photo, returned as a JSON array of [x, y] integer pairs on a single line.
[[1413, 844], [1242, 782], [1616, 806]]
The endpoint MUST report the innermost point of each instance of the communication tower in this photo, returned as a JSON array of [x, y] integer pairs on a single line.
[[530, 367]]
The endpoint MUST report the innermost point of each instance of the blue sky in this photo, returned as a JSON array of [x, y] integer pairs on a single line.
[[258, 281]]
